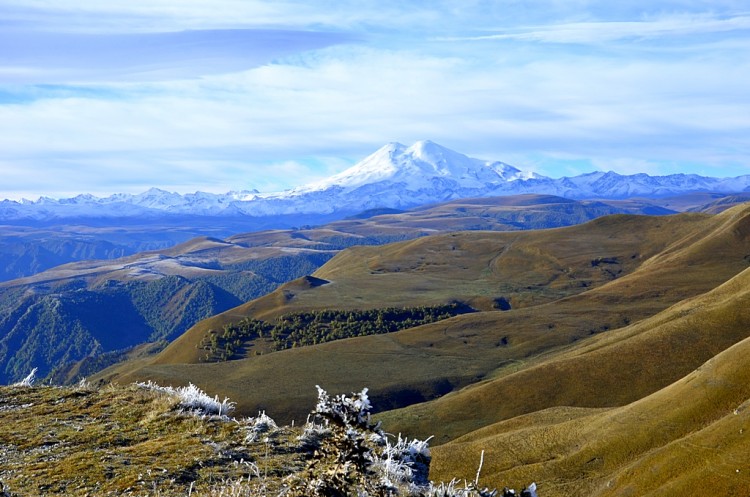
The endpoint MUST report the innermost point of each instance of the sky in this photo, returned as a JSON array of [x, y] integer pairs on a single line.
[[224, 95]]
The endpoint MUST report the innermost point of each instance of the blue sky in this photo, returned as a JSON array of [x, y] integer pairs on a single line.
[[118, 96]]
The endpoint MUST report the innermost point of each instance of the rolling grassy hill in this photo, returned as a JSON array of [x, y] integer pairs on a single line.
[[481, 269], [620, 365], [689, 434], [158, 295], [565, 287]]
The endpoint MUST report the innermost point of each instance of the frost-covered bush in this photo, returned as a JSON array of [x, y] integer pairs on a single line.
[[351, 411], [313, 435], [194, 399], [28, 381], [344, 462], [258, 426], [404, 463], [452, 489], [469, 489], [350, 456]]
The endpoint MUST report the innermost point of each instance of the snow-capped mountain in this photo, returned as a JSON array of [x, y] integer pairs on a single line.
[[417, 165], [394, 176]]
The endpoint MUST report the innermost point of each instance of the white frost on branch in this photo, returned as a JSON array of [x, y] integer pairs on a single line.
[[354, 410], [193, 398], [28, 381], [259, 425]]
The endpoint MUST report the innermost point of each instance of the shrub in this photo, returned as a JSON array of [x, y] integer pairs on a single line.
[[353, 457], [258, 426], [405, 463]]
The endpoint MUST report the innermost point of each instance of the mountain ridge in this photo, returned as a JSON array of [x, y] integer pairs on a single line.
[[214, 274], [394, 176]]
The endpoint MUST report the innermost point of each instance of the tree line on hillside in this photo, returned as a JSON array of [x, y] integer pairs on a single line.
[[299, 329]]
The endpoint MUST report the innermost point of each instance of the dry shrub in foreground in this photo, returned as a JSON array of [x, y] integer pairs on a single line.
[[350, 456], [149, 440]]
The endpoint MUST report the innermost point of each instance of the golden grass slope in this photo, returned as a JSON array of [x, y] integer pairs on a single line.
[[525, 268], [687, 438], [530, 358], [78, 441], [622, 365]]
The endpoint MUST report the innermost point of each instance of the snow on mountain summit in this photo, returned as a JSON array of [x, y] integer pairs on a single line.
[[377, 166], [414, 167], [435, 160], [394, 176]]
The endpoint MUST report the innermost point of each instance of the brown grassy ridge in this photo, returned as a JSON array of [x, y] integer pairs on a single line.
[[416, 365], [148, 440], [622, 365], [527, 268], [686, 439], [612, 368]]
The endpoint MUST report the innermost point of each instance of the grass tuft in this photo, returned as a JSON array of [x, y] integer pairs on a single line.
[[28, 380], [194, 399]]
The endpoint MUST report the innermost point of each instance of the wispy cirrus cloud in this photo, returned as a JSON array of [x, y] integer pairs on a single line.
[[142, 16], [608, 31], [36, 58]]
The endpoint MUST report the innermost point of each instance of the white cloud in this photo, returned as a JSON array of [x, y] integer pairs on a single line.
[[351, 100], [36, 58], [597, 32], [554, 107], [92, 16]]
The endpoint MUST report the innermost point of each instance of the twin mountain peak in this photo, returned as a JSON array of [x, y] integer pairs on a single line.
[[395, 176]]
